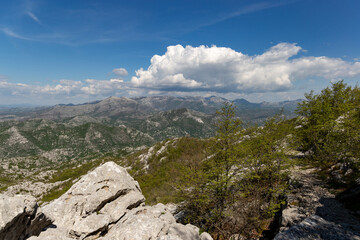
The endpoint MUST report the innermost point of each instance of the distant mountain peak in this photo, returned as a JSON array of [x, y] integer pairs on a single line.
[[112, 98], [117, 99], [216, 99], [241, 100]]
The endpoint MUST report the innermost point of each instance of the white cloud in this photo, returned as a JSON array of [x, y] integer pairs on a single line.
[[11, 33], [224, 70], [103, 87], [33, 16], [120, 71], [200, 71], [88, 87]]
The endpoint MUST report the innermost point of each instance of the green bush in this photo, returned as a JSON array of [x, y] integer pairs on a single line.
[[329, 127]]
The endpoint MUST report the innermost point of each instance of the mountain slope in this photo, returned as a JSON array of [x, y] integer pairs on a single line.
[[43, 138]]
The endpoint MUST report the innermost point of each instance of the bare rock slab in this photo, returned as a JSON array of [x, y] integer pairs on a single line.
[[98, 199]]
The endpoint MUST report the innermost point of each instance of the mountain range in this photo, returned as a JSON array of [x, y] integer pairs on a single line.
[[122, 108], [49, 137]]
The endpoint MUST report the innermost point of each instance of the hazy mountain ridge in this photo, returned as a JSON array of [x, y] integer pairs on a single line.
[[125, 108]]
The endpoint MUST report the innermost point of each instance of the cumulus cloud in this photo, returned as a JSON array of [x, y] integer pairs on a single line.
[[120, 71], [102, 87], [200, 71], [223, 70]]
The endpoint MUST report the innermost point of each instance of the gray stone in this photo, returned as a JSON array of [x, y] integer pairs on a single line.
[[179, 231], [122, 204], [20, 217], [290, 216], [205, 236], [98, 199], [151, 222], [142, 223], [53, 233], [315, 227], [313, 212], [108, 204], [89, 225]]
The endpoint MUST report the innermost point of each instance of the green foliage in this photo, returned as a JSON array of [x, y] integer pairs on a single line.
[[70, 172], [219, 169], [329, 126], [5, 180], [239, 187], [169, 169], [57, 192]]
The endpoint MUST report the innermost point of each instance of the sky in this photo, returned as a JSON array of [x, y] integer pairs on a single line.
[[72, 51]]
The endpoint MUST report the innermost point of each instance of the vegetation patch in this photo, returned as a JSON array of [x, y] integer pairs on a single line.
[[57, 191]]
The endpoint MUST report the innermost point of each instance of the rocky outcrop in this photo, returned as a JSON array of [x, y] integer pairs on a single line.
[[20, 217], [107, 204], [313, 212], [97, 200]]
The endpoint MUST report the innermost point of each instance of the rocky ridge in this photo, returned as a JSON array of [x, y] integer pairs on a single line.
[[106, 204]]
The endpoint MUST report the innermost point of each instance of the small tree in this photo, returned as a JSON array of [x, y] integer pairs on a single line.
[[323, 130], [222, 166], [213, 184], [262, 185], [238, 187]]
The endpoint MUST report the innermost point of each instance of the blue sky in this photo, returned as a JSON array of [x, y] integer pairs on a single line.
[[76, 51]]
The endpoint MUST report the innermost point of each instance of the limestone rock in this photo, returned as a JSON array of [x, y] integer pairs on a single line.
[[107, 204], [205, 236], [98, 199], [151, 222], [315, 227], [91, 224], [20, 217], [290, 216], [52, 233]]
